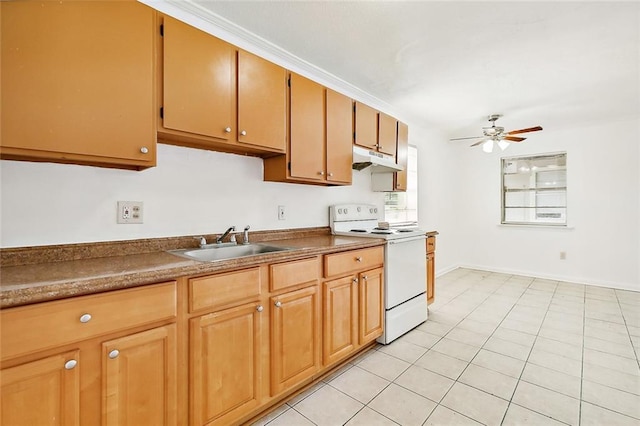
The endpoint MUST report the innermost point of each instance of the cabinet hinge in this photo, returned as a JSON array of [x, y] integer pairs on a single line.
[[354, 136], [289, 82], [162, 29], [161, 112], [354, 107], [289, 166]]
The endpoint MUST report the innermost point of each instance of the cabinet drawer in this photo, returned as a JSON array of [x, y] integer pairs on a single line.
[[431, 244], [46, 325], [223, 289], [354, 260], [289, 274]]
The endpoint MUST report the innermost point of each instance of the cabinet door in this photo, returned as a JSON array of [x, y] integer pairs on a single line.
[[339, 129], [366, 126], [402, 159], [431, 277], [43, 392], [78, 82], [307, 137], [340, 318], [295, 338], [139, 378], [371, 307], [198, 81], [387, 134], [261, 102], [226, 349]]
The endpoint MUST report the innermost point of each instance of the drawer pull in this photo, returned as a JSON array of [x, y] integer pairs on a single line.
[[144, 150], [364, 277], [227, 129], [243, 133], [355, 281], [71, 364], [114, 354], [278, 304], [259, 308], [358, 259], [85, 318]]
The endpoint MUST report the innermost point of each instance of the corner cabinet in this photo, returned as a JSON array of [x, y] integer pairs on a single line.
[[78, 83], [118, 347], [353, 302], [319, 149]]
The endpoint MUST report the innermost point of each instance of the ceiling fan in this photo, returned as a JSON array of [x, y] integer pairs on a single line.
[[498, 135]]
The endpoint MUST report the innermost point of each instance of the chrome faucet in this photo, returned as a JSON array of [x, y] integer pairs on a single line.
[[223, 236], [246, 235], [203, 241]]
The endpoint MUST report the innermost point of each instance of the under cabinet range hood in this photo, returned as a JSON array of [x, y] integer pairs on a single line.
[[379, 162]]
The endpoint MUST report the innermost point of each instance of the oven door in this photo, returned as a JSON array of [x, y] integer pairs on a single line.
[[405, 270]]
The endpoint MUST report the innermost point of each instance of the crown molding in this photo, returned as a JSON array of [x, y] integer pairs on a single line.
[[218, 26]]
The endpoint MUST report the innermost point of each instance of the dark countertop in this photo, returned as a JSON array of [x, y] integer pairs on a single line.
[[27, 283]]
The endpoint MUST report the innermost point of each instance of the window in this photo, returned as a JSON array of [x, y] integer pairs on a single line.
[[402, 207], [534, 190]]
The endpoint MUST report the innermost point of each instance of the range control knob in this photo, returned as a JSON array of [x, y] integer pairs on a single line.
[[339, 211], [375, 210], [359, 208], [346, 211]]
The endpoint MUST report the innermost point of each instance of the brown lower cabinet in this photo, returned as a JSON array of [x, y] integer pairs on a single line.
[[431, 267], [216, 349]]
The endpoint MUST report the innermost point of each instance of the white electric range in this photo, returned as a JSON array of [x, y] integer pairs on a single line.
[[404, 264]]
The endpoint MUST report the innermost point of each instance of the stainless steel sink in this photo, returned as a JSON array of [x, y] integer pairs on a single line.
[[224, 252]]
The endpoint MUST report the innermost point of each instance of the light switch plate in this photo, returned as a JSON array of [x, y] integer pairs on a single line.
[[130, 212]]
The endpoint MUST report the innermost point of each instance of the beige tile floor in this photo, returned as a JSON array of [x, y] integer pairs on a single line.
[[497, 349]]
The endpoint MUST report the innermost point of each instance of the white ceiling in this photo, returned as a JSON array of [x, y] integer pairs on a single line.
[[449, 64]]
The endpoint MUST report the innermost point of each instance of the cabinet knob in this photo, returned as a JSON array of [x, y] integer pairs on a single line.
[[278, 304], [227, 129], [358, 259], [321, 173], [71, 364], [114, 354], [144, 150], [364, 277], [330, 174], [85, 318], [243, 133], [260, 308], [355, 281]]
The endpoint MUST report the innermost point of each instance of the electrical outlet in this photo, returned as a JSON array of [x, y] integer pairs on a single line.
[[281, 215], [563, 255], [129, 212]]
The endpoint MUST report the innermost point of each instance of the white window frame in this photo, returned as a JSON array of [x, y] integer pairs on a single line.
[[527, 169]]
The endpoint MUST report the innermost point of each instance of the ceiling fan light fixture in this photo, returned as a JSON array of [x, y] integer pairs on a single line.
[[503, 145], [488, 146]]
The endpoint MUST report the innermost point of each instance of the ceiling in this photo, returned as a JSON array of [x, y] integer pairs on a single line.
[[449, 64]]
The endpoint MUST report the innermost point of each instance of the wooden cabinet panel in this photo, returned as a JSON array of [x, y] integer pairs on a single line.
[[366, 126], [295, 338], [387, 134], [222, 289], [371, 308], [293, 273], [44, 383], [353, 261], [47, 325], [198, 81], [339, 128], [139, 379], [340, 318], [307, 137], [226, 353], [261, 102], [78, 82], [400, 178], [431, 269]]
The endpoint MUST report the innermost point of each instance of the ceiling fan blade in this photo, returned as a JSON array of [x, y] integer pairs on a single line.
[[530, 129], [479, 142], [460, 139], [513, 138]]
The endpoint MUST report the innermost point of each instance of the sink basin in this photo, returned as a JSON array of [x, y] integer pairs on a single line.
[[225, 252]]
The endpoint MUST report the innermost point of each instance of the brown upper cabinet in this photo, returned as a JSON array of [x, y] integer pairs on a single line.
[[78, 83], [375, 130], [402, 157], [320, 137], [214, 96]]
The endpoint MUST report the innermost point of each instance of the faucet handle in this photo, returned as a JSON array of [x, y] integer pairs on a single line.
[[246, 235], [246, 228], [203, 241]]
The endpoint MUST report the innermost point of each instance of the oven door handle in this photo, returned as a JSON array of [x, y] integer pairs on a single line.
[[406, 240]]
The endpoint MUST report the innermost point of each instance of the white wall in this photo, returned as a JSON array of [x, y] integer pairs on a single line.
[[190, 192], [603, 208]]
